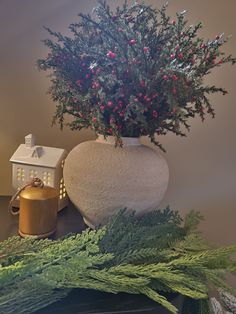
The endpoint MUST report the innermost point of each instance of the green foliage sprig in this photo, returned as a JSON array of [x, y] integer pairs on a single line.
[[132, 72], [151, 255]]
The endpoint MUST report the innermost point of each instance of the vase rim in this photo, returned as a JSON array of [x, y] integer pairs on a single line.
[[126, 141]]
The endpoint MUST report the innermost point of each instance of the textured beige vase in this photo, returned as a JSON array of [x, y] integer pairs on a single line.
[[101, 178]]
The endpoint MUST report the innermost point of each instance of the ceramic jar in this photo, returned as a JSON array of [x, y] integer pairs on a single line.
[[100, 178]]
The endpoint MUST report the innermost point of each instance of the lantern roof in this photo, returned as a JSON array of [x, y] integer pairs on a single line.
[[38, 156]]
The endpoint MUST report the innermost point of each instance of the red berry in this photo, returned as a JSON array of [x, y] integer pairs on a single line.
[[154, 114], [173, 22], [177, 47], [132, 42], [180, 56], [109, 103], [146, 49], [111, 54], [154, 96], [165, 77], [175, 77], [142, 83], [174, 91], [172, 56], [94, 119], [96, 85]]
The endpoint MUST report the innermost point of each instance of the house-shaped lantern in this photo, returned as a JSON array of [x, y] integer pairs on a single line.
[[30, 161]]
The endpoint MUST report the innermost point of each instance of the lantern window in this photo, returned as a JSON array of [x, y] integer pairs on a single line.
[[33, 173], [62, 189], [20, 174], [47, 179]]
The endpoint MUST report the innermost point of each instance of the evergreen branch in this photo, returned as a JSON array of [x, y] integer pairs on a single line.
[[29, 296], [115, 259], [159, 298], [192, 221]]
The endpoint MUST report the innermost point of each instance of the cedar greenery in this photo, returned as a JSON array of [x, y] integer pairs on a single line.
[[132, 72], [152, 255]]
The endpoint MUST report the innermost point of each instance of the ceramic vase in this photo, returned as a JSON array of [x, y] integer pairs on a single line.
[[100, 178]]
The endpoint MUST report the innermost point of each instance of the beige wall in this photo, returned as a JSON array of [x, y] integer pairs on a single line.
[[202, 166]]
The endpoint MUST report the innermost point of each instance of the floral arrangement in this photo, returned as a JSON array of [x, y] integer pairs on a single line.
[[132, 72]]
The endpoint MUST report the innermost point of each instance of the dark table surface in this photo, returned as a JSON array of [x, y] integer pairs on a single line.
[[81, 300]]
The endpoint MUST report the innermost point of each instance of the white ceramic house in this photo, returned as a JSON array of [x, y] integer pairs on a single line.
[[30, 161]]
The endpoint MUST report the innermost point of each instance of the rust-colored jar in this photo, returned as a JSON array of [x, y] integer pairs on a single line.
[[38, 211]]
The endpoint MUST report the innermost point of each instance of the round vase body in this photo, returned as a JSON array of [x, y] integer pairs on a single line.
[[100, 178]]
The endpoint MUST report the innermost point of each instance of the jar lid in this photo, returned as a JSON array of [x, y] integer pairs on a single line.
[[39, 193]]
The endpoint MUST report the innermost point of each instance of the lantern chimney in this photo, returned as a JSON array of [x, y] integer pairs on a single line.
[[30, 140]]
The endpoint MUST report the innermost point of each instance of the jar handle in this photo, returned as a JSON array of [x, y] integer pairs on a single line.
[[35, 182]]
